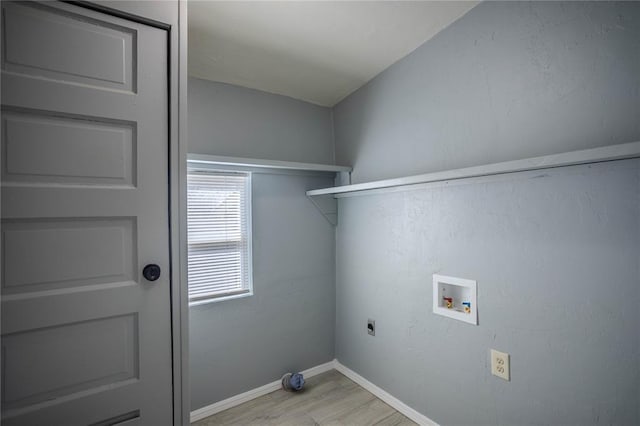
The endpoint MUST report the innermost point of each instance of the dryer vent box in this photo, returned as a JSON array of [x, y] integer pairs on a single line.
[[455, 298]]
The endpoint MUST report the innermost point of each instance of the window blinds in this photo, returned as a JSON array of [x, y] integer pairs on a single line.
[[218, 234]]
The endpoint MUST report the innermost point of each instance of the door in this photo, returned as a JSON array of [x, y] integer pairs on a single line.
[[86, 339]]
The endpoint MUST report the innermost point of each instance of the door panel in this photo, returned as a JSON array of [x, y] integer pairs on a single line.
[[107, 149], [85, 339], [58, 248], [101, 352], [83, 50]]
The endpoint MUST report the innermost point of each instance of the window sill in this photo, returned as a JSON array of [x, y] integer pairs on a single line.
[[221, 298]]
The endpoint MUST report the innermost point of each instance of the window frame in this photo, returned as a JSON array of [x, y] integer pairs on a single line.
[[248, 290]]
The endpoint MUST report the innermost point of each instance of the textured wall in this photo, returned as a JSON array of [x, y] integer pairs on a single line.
[[233, 121], [508, 80], [288, 324], [556, 253], [556, 257]]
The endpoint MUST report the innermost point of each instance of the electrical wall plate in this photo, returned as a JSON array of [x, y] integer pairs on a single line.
[[500, 365], [371, 327], [455, 298]]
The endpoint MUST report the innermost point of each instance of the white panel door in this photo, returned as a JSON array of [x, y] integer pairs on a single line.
[[86, 339]]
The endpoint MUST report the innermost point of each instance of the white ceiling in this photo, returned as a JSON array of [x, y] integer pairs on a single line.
[[316, 51]]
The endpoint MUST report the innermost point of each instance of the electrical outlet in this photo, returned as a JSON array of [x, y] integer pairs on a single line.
[[371, 327], [500, 364]]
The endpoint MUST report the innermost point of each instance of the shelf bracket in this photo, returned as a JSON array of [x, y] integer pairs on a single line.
[[327, 205]]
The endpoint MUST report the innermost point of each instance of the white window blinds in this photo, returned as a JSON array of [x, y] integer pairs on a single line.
[[218, 218]]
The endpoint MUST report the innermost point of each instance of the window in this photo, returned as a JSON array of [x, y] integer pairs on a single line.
[[219, 224]]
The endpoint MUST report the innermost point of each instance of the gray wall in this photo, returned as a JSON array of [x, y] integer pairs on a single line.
[[289, 322], [237, 122], [556, 254], [508, 80], [556, 258]]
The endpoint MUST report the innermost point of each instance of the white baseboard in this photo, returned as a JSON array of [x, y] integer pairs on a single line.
[[225, 404], [394, 402]]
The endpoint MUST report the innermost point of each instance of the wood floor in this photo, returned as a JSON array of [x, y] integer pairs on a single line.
[[328, 399]]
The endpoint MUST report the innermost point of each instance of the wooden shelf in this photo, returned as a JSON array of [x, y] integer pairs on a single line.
[[585, 156]]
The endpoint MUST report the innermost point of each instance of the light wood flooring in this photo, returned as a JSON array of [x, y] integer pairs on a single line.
[[328, 399]]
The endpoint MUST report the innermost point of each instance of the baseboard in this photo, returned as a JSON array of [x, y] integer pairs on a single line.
[[225, 404], [394, 402]]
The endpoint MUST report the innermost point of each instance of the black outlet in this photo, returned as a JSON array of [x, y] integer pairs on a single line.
[[371, 327]]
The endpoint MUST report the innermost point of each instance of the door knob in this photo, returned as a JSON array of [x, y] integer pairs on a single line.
[[151, 272]]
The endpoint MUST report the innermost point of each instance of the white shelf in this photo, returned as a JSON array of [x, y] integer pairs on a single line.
[[265, 164], [326, 205], [586, 156]]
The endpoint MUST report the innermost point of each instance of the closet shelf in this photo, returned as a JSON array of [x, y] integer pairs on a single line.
[[327, 206], [265, 164], [585, 156]]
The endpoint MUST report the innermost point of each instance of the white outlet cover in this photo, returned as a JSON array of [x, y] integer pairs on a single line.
[[461, 290], [500, 365]]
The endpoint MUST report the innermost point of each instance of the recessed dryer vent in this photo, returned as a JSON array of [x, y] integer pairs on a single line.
[[455, 298]]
